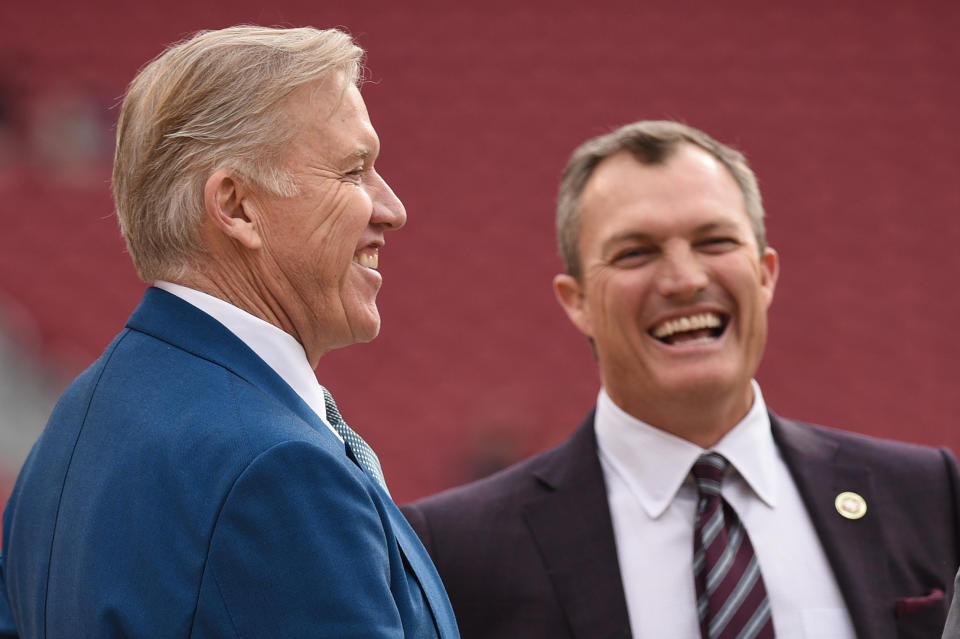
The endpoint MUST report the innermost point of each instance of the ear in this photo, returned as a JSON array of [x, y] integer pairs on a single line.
[[232, 212], [769, 272], [573, 300]]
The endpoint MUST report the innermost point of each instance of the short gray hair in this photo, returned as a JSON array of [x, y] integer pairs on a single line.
[[650, 142], [213, 101]]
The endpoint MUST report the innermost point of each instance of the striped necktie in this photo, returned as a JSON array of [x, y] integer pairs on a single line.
[[362, 453], [731, 598]]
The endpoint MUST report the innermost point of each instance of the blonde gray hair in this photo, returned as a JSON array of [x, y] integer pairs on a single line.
[[651, 142], [213, 101]]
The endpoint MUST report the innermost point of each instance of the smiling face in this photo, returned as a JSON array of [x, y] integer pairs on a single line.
[[320, 247], [674, 291]]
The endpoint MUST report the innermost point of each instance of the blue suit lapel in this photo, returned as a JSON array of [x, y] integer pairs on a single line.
[[426, 574]]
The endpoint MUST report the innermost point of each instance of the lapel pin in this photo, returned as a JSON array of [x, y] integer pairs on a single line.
[[850, 505]]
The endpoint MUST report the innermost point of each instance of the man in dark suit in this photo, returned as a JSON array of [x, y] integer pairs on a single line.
[[682, 507], [196, 480]]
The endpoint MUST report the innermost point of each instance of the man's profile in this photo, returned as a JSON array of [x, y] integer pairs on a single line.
[[196, 480]]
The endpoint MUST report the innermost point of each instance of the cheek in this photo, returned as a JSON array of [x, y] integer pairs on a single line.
[[356, 203], [342, 231], [615, 306]]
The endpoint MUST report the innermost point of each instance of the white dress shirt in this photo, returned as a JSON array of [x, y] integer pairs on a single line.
[[280, 350], [653, 501]]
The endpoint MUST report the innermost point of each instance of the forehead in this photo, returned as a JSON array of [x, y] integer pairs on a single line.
[[330, 118], [691, 187]]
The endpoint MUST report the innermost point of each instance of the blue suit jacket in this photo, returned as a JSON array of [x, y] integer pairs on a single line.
[[182, 489]]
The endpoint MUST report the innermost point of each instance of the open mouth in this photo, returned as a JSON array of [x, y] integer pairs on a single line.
[[368, 257], [692, 329]]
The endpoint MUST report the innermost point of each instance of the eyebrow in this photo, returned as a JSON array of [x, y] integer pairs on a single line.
[[637, 236], [716, 226], [628, 236], [360, 154]]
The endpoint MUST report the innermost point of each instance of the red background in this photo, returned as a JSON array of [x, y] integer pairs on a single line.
[[847, 112]]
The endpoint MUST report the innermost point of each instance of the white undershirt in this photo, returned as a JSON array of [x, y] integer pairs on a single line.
[[280, 350], [653, 502]]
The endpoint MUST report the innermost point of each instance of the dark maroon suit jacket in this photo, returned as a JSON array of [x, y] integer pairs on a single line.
[[529, 552]]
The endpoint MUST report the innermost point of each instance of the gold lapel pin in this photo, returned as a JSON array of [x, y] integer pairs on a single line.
[[850, 505]]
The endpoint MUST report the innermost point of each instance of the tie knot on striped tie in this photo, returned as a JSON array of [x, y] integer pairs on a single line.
[[708, 472]]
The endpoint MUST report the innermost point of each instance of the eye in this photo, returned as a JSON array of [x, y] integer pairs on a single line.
[[633, 255], [718, 244], [356, 175]]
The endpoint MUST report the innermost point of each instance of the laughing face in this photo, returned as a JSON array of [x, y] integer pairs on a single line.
[[321, 247], [675, 291]]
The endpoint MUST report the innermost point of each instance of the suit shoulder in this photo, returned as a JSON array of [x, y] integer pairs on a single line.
[[877, 452], [501, 490], [188, 390], [511, 488], [144, 395]]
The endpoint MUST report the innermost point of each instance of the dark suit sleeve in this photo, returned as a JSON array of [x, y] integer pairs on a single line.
[[420, 524], [952, 628], [7, 628], [953, 474], [300, 549]]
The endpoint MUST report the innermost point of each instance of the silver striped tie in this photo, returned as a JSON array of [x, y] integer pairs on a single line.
[[361, 450]]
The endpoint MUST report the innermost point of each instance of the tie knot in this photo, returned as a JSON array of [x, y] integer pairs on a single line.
[[333, 414], [708, 471]]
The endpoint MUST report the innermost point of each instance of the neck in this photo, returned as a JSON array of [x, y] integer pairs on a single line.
[[244, 291], [696, 417]]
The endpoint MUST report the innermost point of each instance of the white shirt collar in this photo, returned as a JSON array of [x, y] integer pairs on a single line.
[[655, 463], [280, 350]]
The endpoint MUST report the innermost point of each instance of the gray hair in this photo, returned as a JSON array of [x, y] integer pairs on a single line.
[[650, 142], [213, 101]]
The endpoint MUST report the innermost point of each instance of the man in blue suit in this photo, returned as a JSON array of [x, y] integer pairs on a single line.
[[196, 480]]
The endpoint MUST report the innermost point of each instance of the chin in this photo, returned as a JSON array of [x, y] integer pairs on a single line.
[[368, 337], [696, 377], [366, 327], [707, 387]]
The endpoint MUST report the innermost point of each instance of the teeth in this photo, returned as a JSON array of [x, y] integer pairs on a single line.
[[368, 259], [684, 324]]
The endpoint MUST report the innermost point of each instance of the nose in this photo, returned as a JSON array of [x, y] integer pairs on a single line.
[[681, 274], [388, 210]]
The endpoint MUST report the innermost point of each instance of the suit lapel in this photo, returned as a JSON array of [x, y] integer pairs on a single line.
[[572, 528], [424, 571], [854, 547]]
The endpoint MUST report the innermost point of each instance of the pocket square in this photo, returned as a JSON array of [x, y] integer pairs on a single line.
[[911, 605]]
